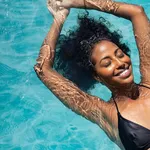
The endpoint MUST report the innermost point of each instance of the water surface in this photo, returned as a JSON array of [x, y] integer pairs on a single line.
[[31, 117]]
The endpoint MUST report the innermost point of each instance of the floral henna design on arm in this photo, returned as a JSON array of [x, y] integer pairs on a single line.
[[105, 5]]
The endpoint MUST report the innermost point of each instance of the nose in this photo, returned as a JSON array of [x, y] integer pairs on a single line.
[[120, 64]]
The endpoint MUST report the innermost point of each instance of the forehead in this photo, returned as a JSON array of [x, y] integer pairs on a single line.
[[103, 49]]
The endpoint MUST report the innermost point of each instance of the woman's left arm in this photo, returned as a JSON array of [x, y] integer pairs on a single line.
[[141, 26]]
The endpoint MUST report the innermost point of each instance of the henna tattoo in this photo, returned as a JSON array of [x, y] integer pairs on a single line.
[[105, 5]]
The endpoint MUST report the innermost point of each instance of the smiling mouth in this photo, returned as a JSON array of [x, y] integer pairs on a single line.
[[124, 74]]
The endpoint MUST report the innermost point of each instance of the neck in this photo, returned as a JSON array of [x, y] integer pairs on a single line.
[[130, 91]]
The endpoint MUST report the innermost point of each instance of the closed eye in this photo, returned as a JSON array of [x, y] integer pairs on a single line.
[[119, 53], [105, 63]]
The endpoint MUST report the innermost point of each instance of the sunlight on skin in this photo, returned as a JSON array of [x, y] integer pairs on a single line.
[[90, 107]]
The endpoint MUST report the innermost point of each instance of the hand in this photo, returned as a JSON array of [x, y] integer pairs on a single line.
[[59, 12], [66, 3], [71, 3]]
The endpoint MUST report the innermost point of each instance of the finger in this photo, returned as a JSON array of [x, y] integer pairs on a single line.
[[51, 11], [58, 3], [61, 8]]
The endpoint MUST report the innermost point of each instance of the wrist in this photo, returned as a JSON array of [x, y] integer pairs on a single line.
[[59, 20], [60, 17], [109, 6]]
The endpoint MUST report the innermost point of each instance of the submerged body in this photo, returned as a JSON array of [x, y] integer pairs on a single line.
[[125, 117]]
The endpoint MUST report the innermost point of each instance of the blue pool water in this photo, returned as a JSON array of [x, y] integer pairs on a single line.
[[31, 117]]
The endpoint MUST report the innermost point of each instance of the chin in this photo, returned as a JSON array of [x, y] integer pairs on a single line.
[[128, 81]]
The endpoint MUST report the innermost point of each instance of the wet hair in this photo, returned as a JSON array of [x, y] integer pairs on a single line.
[[74, 48]]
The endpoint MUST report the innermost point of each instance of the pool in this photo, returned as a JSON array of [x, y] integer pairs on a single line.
[[31, 117]]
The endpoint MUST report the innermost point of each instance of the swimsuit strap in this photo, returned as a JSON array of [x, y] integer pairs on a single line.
[[144, 85], [116, 106]]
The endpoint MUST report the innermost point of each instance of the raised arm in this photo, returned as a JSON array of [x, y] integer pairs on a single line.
[[68, 93], [141, 28], [134, 13]]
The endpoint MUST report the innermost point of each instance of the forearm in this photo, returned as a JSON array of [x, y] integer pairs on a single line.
[[53, 34], [116, 8], [51, 38]]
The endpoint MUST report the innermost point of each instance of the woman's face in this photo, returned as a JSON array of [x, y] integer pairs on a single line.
[[112, 66]]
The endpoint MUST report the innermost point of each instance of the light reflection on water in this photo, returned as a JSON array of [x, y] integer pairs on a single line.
[[31, 116]]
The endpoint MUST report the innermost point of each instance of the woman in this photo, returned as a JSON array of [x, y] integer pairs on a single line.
[[119, 118]]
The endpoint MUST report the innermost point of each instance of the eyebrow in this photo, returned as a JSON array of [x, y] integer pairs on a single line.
[[108, 56]]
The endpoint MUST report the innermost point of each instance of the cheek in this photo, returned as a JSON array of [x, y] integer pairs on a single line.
[[127, 59], [105, 73]]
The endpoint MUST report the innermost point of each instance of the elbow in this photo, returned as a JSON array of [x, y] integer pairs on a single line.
[[34, 67], [138, 10], [37, 69]]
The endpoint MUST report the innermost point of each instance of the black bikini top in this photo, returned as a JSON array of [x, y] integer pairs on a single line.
[[133, 136]]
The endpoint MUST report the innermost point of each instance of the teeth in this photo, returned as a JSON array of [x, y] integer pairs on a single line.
[[124, 72]]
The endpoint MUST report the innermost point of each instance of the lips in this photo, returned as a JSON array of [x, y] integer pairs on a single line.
[[124, 73]]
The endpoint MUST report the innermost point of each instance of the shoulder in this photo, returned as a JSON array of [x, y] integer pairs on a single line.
[[108, 120]]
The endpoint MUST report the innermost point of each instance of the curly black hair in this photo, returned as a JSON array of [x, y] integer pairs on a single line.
[[73, 53]]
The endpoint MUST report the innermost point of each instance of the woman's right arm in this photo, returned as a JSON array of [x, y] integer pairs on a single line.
[[90, 107]]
